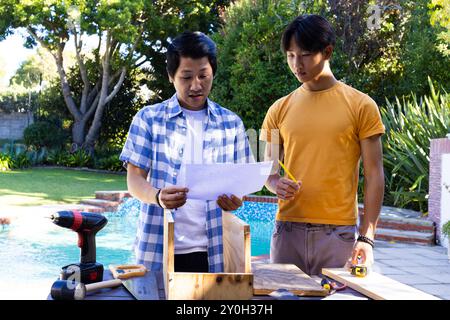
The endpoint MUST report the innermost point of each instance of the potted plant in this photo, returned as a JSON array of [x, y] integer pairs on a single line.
[[446, 233]]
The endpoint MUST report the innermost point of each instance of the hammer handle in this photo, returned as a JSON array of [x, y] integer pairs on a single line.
[[103, 284]]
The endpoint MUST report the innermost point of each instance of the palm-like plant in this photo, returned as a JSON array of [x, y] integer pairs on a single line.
[[410, 126]]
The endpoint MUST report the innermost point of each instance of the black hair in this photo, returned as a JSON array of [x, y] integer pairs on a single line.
[[193, 45], [311, 33]]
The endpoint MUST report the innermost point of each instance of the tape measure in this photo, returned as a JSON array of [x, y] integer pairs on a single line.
[[359, 271]]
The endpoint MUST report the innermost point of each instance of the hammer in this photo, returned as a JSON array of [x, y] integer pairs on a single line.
[[72, 290]]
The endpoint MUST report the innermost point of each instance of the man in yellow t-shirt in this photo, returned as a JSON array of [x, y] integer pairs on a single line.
[[320, 131]]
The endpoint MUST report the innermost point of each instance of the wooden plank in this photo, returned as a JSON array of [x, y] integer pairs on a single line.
[[269, 277], [168, 249], [377, 286], [236, 244], [210, 286]]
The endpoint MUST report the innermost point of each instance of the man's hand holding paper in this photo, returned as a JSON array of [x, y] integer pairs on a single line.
[[213, 181]]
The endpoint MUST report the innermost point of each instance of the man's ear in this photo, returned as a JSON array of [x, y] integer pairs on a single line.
[[328, 51], [170, 78]]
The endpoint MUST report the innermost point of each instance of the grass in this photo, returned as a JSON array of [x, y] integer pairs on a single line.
[[39, 186]]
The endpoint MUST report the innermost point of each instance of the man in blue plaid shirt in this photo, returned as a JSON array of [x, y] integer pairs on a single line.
[[163, 138]]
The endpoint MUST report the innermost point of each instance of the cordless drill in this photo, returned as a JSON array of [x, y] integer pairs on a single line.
[[86, 224]]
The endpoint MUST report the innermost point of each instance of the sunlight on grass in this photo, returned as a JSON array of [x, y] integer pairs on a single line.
[[23, 200], [39, 186]]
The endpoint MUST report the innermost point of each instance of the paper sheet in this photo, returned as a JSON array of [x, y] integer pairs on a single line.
[[209, 181]]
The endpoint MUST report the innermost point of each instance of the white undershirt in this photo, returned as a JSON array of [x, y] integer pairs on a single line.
[[190, 219]]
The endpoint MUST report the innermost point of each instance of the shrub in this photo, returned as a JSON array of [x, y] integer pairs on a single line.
[[5, 162], [57, 157], [44, 134], [21, 160], [79, 158], [111, 163], [446, 229], [410, 126]]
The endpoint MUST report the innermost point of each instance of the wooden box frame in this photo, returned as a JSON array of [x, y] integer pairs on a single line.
[[236, 283]]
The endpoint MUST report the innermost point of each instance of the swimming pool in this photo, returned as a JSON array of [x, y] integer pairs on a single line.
[[259, 215], [33, 249]]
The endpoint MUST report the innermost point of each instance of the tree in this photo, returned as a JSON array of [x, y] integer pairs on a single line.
[[420, 56], [2, 70], [440, 15], [252, 71], [131, 33], [53, 23], [37, 70], [384, 60], [176, 16]]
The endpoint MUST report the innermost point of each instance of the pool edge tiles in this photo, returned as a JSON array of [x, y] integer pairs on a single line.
[[254, 198]]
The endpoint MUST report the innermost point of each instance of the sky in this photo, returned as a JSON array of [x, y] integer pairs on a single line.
[[12, 54]]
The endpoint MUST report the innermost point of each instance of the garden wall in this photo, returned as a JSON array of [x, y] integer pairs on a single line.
[[438, 148], [13, 124]]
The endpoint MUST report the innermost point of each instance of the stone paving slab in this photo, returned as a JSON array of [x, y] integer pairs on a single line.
[[402, 263], [381, 256], [411, 264], [426, 250], [413, 279], [434, 256], [438, 277], [424, 270], [434, 263], [406, 256], [387, 270], [440, 290]]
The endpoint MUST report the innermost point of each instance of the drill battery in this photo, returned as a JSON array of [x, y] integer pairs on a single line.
[[83, 272]]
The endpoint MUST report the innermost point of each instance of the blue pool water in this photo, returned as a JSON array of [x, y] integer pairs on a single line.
[[33, 249], [260, 216]]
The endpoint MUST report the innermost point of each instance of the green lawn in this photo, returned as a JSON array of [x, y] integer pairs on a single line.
[[38, 186]]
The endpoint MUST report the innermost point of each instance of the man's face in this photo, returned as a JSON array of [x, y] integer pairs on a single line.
[[193, 81], [305, 65]]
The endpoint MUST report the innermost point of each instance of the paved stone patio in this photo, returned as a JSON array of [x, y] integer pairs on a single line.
[[426, 268]]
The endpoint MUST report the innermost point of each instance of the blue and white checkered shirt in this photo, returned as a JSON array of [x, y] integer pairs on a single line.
[[155, 143]]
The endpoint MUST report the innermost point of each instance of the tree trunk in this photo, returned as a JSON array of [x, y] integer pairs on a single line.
[[94, 132], [92, 101], [78, 131]]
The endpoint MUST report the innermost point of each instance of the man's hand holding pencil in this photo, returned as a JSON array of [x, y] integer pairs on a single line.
[[287, 189]]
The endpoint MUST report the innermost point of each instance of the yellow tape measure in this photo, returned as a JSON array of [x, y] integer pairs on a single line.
[[359, 271]]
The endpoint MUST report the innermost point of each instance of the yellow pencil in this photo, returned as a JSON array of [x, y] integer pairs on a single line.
[[287, 171]]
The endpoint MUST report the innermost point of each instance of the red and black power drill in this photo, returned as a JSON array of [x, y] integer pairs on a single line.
[[86, 224]]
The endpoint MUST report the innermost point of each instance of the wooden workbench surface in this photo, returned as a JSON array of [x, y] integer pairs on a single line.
[[121, 293]]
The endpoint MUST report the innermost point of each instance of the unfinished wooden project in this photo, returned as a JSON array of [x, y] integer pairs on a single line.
[[377, 286], [274, 276], [235, 283]]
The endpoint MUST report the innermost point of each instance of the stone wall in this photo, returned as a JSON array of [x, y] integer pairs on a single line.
[[13, 124], [438, 148]]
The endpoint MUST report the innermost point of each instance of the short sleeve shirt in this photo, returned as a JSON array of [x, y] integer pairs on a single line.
[[155, 143]]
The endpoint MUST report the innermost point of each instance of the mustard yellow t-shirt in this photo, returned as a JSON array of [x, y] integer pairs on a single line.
[[321, 132]]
